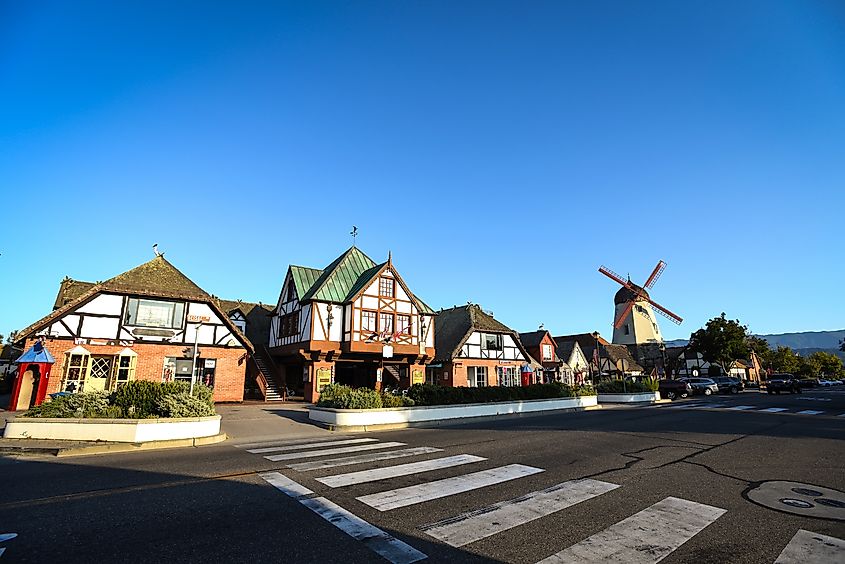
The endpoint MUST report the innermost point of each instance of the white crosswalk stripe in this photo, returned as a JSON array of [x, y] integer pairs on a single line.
[[303, 440], [376, 474], [774, 409], [741, 407], [810, 412], [377, 540], [807, 547], [361, 458], [645, 537], [411, 495], [309, 445], [482, 523], [329, 451]]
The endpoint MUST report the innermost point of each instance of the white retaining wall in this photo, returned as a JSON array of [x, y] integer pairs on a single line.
[[649, 397], [406, 415], [113, 430]]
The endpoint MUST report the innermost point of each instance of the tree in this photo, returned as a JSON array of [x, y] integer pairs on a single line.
[[784, 359], [842, 345], [759, 345], [825, 364], [721, 341]]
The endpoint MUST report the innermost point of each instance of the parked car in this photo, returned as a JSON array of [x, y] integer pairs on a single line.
[[827, 383], [729, 385], [671, 389], [778, 383], [807, 382], [704, 386]]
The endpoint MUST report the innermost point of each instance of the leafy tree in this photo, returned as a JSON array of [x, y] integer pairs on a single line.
[[826, 364], [784, 359], [721, 341], [759, 345]]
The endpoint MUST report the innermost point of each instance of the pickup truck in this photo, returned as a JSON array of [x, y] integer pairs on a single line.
[[777, 383]]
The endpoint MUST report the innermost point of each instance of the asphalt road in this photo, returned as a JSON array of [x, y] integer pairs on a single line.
[[211, 504]]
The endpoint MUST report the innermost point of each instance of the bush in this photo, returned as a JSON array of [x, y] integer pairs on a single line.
[[429, 394], [183, 404], [339, 396], [91, 404], [627, 386]]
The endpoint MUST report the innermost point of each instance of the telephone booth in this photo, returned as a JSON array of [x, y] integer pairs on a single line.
[[527, 374], [33, 373]]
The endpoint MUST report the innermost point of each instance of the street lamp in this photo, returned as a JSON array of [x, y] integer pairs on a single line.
[[597, 355], [663, 356]]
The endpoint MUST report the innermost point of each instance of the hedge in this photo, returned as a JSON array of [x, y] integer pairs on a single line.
[[338, 396], [429, 394], [134, 400], [627, 386]]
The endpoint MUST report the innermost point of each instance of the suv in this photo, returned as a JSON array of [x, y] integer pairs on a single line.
[[729, 385], [672, 389], [778, 383], [704, 386]]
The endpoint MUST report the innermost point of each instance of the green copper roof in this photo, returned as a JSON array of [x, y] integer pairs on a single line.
[[304, 278], [336, 281]]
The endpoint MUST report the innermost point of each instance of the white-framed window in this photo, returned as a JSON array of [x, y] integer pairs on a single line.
[[476, 376], [368, 321], [386, 287], [507, 376], [127, 361], [547, 352], [385, 323], [77, 366], [154, 313], [403, 324], [491, 341]]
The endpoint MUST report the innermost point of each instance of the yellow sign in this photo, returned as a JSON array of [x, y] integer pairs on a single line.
[[417, 377], [324, 378]]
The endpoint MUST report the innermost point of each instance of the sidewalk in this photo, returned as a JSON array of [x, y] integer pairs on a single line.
[[260, 421]]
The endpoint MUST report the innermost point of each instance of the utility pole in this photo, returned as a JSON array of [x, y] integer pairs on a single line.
[[194, 358]]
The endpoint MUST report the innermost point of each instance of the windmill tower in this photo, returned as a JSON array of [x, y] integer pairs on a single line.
[[634, 320]]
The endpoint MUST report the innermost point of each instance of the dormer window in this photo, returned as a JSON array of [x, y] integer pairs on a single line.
[[547, 352], [492, 341], [386, 287], [154, 313]]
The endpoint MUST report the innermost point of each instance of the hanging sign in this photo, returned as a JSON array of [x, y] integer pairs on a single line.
[[387, 351], [198, 319], [378, 374]]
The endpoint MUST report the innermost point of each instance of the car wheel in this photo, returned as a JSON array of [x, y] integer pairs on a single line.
[[734, 390], [707, 391], [684, 395], [671, 395]]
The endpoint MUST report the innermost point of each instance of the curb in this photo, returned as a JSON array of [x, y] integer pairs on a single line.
[[111, 448]]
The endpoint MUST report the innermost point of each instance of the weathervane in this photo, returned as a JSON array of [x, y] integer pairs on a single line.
[[354, 234]]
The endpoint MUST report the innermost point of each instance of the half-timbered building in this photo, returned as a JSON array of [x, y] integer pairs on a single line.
[[354, 322], [570, 352], [541, 346], [474, 349], [143, 324]]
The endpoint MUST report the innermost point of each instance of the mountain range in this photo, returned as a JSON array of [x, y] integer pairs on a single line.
[[804, 343]]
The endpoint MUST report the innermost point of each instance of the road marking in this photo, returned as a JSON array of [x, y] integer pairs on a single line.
[[807, 547], [741, 407], [774, 409], [684, 406], [287, 442], [841, 415], [329, 451], [361, 458], [391, 499], [310, 445], [711, 405], [645, 537], [380, 542], [476, 525], [810, 412], [375, 474]]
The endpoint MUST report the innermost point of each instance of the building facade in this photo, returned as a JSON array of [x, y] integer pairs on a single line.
[[542, 347], [354, 322], [144, 324]]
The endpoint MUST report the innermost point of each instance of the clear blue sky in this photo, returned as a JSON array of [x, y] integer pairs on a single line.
[[501, 150]]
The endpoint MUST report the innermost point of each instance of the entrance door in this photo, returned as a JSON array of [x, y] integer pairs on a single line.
[[101, 367], [25, 394]]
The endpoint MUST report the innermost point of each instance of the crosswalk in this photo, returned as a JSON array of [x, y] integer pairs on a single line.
[[747, 408], [647, 536]]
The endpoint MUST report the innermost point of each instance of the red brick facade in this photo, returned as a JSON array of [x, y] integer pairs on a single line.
[[230, 370], [455, 373]]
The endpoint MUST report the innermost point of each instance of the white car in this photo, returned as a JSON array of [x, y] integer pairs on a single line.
[[827, 383]]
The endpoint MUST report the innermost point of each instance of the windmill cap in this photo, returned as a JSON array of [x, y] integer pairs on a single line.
[[624, 295]]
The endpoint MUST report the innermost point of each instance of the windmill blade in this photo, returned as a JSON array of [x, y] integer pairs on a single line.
[[623, 315], [613, 276], [658, 270], [664, 312]]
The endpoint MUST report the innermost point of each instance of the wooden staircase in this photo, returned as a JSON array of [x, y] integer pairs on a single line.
[[268, 379]]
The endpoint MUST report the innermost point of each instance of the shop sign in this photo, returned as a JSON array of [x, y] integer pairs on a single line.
[[387, 352], [198, 319], [210, 363]]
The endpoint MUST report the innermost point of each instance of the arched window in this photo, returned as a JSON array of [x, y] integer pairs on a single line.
[[77, 367], [127, 359]]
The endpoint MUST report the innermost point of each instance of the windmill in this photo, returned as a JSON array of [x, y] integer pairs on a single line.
[[632, 297]]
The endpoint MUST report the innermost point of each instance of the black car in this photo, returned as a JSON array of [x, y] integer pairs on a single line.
[[672, 389], [777, 383], [729, 385]]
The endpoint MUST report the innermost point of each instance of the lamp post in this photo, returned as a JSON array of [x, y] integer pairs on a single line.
[[663, 356], [194, 357], [598, 356]]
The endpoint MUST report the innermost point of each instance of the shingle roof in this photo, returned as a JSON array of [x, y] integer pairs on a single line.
[[620, 352], [69, 290], [533, 338], [454, 325], [257, 319], [339, 277], [565, 349]]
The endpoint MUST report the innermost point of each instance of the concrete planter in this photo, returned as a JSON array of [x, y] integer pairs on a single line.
[[113, 430], [644, 397], [404, 416]]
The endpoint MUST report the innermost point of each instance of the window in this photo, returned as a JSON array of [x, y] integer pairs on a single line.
[[403, 324], [627, 331], [289, 324], [506, 376], [368, 321], [385, 323], [492, 342], [154, 313], [385, 287], [240, 324], [476, 376], [126, 362], [75, 370], [547, 352]]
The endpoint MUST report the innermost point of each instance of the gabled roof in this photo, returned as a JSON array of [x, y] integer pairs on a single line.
[[585, 340], [534, 338], [615, 353], [69, 290], [455, 325], [335, 282], [303, 278], [257, 319], [156, 278]]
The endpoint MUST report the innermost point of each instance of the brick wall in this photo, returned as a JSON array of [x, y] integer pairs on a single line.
[[229, 372], [457, 371]]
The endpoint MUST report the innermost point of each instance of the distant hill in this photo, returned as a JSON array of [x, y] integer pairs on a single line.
[[804, 343]]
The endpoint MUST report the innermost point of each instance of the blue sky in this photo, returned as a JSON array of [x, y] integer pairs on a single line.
[[502, 151]]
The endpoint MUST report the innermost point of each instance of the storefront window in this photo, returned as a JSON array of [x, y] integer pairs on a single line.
[[507, 376]]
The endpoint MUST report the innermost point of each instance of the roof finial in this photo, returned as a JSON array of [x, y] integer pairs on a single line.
[[155, 250], [354, 234], [389, 258]]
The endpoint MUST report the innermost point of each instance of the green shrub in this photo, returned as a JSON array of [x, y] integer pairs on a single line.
[[183, 404], [429, 394], [627, 386], [339, 396], [90, 404]]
